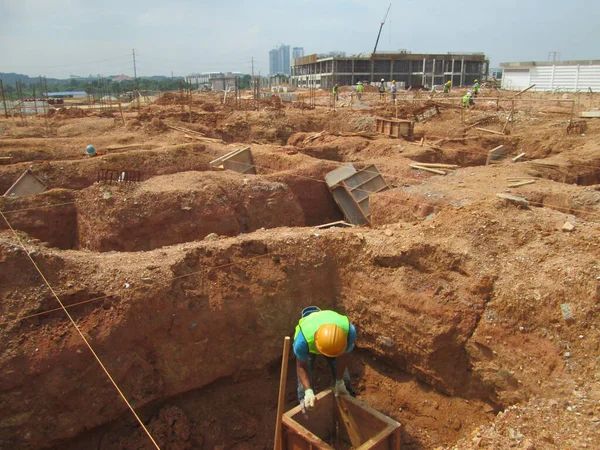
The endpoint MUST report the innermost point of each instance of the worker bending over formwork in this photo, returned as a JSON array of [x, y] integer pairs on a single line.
[[324, 333]]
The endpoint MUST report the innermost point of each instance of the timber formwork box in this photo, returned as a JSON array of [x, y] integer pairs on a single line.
[[395, 127], [27, 184], [351, 190], [339, 423], [238, 160]]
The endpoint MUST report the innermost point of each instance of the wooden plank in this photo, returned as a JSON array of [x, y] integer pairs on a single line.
[[314, 136], [27, 184], [351, 427], [522, 183], [427, 169], [589, 114], [301, 438], [518, 157], [495, 154], [524, 90], [489, 131], [379, 441], [338, 223], [439, 166], [366, 409], [282, 383]]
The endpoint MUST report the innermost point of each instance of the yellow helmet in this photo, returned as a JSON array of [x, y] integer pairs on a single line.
[[393, 81], [331, 340], [476, 80]]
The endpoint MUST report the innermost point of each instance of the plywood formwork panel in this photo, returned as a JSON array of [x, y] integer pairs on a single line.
[[394, 127], [338, 422], [27, 184], [352, 193], [240, 161]]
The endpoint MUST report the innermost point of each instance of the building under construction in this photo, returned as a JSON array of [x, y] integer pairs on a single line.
[[416, 70]]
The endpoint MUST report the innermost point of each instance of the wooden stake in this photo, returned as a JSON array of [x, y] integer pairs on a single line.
[[422, 139], [121, 110], [524, 90], [277, 445], [506, 124], [489, 131], [572, 110]]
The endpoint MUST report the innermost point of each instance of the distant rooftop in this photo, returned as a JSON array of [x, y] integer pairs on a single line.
[[64, 94], [524, 64]]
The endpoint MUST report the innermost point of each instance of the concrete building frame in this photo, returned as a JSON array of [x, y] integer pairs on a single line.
[[415, 70]]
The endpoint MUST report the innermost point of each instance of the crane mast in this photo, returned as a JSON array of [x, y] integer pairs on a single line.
[[381, 27]]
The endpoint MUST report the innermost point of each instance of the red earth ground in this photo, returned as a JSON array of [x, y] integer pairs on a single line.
[[477, 316]]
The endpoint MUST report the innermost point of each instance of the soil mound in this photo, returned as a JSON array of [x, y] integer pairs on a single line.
[[170, 209]]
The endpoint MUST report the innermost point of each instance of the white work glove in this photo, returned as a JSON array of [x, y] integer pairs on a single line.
[[340, 388], [309, 398]]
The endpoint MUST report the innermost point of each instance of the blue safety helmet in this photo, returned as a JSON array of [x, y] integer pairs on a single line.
[[90, 150]]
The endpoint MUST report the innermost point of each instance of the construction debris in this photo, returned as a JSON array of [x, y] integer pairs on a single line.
[[395, 127], [118, 176], [339, 223], [427, 169], [191, 134], [577, 127], [27, 184], [518, 157], [568, 226], [427, 114], [351, 190], [521, 183], [314, 136], [490, 131], [518, 201], [589, 114], [240, 161], [495, 155]]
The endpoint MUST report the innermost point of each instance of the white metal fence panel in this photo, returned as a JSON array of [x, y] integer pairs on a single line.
[[565, 78], [589, 77], [515, 79]]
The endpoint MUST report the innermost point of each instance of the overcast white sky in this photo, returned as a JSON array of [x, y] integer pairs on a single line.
[[58, 38]]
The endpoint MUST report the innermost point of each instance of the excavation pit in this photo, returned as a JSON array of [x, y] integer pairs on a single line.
[[457, 295]]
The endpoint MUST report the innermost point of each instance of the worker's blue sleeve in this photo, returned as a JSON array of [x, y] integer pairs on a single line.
[[301, 346]]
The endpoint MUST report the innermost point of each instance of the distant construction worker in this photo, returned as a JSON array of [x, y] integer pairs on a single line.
[[476, 88], [447, 87], [394, 90], [90, 150], [324, 333], [335, 92], [382, 90], [359, 90], [467, 100]]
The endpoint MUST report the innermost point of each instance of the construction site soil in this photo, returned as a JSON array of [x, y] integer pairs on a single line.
[[476, 313]]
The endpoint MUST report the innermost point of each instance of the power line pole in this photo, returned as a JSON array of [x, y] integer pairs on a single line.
[[253, 80], [134, 68]]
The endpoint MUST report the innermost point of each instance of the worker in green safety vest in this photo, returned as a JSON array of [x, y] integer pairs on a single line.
[[324, 333], [467, 100], [359, 90], [476, 88], [335, 92], [447, 87]]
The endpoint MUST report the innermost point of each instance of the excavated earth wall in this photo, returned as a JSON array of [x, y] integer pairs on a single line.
[[471, 320]]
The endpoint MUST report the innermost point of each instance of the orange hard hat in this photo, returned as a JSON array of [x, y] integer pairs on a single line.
[[331, 340]]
